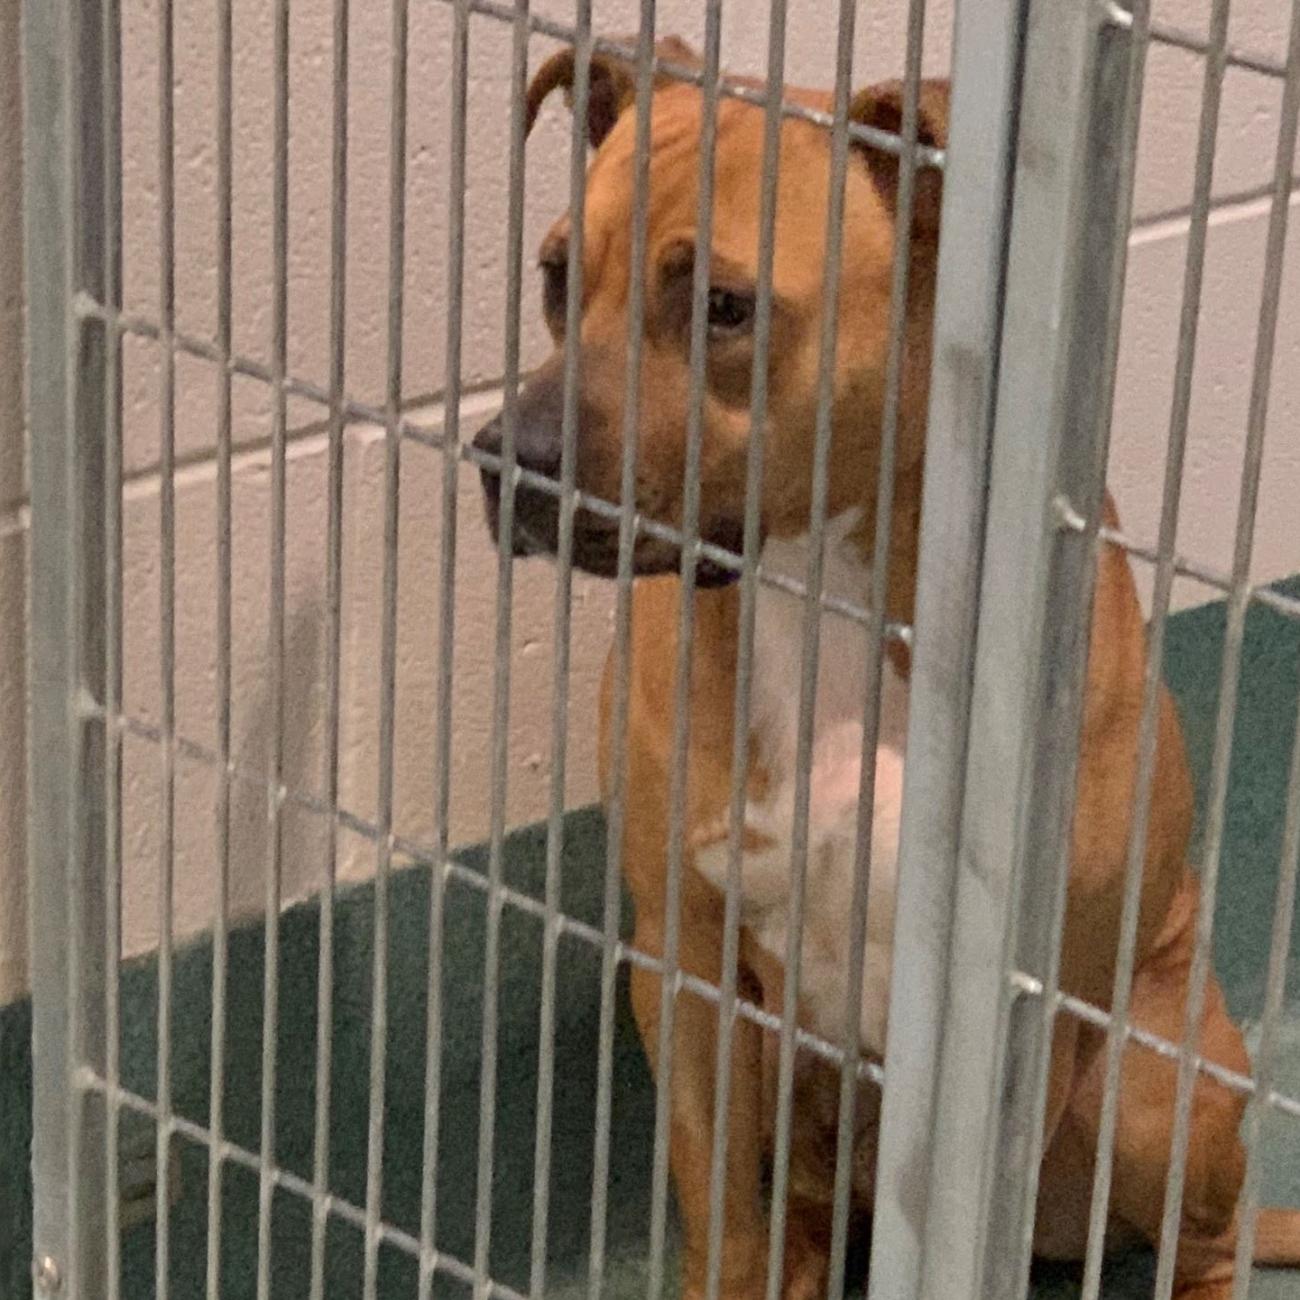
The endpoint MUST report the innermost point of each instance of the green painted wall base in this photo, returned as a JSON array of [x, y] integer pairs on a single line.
[[1270, 679]]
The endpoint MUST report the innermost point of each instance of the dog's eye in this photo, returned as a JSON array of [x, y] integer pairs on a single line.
[[729, 313], [555, 289]]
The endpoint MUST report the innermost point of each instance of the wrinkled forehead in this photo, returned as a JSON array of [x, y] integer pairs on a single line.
[[673, 186]]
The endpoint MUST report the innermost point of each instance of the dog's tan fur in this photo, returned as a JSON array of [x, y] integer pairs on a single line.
[[1114, 687]]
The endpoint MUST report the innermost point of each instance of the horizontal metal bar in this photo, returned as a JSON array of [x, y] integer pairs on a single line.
[[1180, 38], [172, 1124], [1270, 597], [419, 854], [429, 435], [1231, 1079], [886, 141]]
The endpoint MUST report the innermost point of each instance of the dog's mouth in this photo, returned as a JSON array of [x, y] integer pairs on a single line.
[[536, 527]]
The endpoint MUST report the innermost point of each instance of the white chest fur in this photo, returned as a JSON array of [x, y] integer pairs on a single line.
[[833, 792]]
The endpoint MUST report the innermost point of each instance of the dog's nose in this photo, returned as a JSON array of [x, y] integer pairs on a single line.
[[538, 422], [538, 435]]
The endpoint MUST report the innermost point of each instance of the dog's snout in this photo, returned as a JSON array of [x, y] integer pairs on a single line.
[[538, 424], [538, 442]]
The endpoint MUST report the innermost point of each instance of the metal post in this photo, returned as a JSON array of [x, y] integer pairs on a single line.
[[967, 324], [67, 70], [1050, 430]]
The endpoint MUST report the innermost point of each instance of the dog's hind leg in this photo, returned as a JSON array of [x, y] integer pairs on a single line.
[[1215, 1164]]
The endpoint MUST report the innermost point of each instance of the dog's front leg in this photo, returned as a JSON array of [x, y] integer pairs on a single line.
[[692, 1085]]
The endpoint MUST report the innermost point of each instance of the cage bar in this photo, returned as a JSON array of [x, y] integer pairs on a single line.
[[989, 1059], [1261, 382], [622, 652], [450, 445], [1289, 863], [898, 301], [388, 644], [70, 184], [501, 699], [1275, 989], [1049, 451], [811, 646], [677, 794], [1153, 673], [334, 642], [220, 922], [751, 549], [1025, 339], [1179, 38], [112, 293], [275, 620], [166, 624], [909, 1225], [562, 637]]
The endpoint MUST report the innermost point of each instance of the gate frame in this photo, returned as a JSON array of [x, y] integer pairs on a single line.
[[1013, 492], [1019, 425], [71, 227]]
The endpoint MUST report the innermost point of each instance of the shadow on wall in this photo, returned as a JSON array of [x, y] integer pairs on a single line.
[[304, 832]]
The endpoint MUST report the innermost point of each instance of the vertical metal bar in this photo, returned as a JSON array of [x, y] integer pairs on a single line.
[[1117, 1034], [70, 185], [752, 546], [388, 644], [1089, 384], [275, 645], [334, 647], [220, 924], [447, 620], [685, 637], [811, 645], [908, 1227], [899, 297], [166, 621], [1274, 1000], [112, 297], [618, 758], [1238, 602], [1289, 864], [1049, 447], [500, 712], [560, 660]]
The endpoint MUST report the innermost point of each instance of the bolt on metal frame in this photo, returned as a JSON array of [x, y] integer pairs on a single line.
[[1026, 336]]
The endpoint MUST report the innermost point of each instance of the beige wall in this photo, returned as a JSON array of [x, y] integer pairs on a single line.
[[1232, 287]]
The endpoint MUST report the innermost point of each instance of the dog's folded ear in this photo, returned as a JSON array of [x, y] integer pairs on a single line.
[[612, 86], [881, 107]]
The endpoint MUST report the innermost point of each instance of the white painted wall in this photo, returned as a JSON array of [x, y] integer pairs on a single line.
[[1218, 414]]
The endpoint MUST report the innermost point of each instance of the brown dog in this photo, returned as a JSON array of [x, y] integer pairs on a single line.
[[1215, 1163]]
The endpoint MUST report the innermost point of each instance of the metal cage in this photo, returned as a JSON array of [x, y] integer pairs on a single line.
[[1038, 192]]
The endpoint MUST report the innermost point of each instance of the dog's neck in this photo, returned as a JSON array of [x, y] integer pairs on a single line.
[[900, 572], [842, 658]]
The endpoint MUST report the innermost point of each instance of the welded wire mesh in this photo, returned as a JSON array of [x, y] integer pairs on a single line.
[[82, 723]]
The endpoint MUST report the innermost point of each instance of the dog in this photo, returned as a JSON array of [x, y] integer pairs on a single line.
[[1215, 1163]]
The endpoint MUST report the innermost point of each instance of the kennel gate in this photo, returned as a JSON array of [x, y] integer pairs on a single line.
[[1039, 180]]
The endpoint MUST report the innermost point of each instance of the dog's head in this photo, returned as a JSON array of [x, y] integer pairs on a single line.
[[798, 275]]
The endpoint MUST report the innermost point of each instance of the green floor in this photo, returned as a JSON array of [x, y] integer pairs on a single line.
[[1266, 717]]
